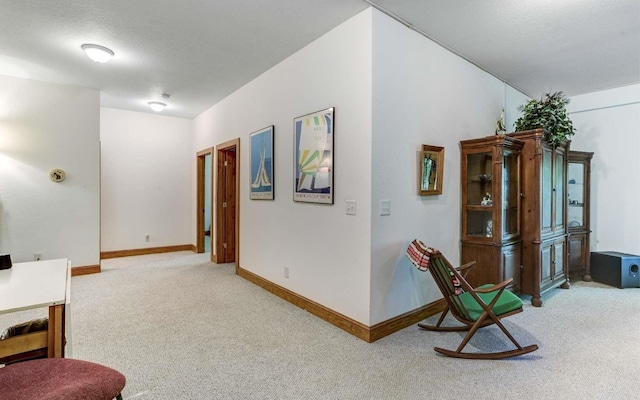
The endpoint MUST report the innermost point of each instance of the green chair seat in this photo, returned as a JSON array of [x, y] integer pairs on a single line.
[[506, 303]]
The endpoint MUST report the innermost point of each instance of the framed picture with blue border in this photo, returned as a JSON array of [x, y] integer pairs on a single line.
[[261, 163], [313, 157]]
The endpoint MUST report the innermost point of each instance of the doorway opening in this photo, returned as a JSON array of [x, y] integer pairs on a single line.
[[227, 203], [204, 209]]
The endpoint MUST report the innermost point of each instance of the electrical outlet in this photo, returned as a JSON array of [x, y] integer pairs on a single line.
[[37, 256], [286, 272], [351, 207], [385, 207], [146, 237]]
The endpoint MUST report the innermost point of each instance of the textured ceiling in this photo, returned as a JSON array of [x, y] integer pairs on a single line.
[[537, 46], [201, 51]]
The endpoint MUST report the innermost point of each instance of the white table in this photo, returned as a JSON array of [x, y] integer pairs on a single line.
[[38, 284]]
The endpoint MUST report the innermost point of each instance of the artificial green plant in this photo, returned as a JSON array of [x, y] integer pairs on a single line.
[[549, 113]]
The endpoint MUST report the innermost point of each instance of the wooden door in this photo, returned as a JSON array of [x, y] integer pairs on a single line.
[[227, 165]]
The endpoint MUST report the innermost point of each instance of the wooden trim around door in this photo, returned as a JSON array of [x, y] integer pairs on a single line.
[[200, 196]]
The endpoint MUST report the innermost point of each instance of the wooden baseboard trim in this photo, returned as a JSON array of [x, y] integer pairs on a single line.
[[194, 248], [359, 330], [149, 250], [386, 328], [85, 270], [341, 321]]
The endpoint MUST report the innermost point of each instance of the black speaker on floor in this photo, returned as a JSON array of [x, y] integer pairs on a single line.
[[5, 261], [615, 269]]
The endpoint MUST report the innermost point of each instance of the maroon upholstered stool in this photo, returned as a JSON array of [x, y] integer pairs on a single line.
[[60, 378]]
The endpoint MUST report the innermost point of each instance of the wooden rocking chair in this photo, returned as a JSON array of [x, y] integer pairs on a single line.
[[473, 307]]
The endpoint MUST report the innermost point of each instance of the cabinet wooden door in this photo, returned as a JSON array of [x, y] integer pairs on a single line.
[[511, 263], [546, 263], [578, 252], [559, 256], [552, 264]]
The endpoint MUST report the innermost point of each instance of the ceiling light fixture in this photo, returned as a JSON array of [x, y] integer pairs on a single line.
[[156, 106], [97, 53]]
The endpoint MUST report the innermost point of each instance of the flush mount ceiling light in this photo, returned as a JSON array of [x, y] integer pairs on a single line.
[[97, 53], [156, 106]]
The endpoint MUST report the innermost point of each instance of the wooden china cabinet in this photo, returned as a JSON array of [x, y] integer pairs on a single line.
[[490, 177], [578, 225], [544, 214]]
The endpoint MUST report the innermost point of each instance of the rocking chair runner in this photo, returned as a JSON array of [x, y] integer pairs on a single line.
[[473, 307]]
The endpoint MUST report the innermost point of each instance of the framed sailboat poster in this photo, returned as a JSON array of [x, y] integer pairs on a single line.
[[261, 161], [313, 157]]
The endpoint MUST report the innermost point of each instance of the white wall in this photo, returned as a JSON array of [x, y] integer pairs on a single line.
[[326, 251], [422, 94], [607, 123], [146, 162], [45, 126], [513, 100]]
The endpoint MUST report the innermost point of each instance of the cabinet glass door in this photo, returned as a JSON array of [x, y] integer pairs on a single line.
[[510, 195], [546, 190], [479, 194], [575, 193], [558, 189]]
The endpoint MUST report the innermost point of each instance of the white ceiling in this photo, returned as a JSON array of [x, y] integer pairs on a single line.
[[200, 51]]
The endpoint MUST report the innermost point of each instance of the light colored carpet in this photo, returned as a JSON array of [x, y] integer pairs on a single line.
[[180, 327]]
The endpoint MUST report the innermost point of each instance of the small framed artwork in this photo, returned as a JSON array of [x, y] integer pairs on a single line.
[[313, 157], [261, 162], [431, 170]]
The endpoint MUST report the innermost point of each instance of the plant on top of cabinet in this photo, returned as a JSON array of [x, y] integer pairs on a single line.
[[549, 113]]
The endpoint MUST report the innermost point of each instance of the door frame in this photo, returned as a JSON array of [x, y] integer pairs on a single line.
[[217, 245], [200, 164]]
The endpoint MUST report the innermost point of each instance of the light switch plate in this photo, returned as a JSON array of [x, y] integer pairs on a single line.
[[351, 207], [385, 207]]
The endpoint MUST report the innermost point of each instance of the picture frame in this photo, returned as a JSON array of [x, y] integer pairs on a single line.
[[431, 170], [313, 157], [261, 184]]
